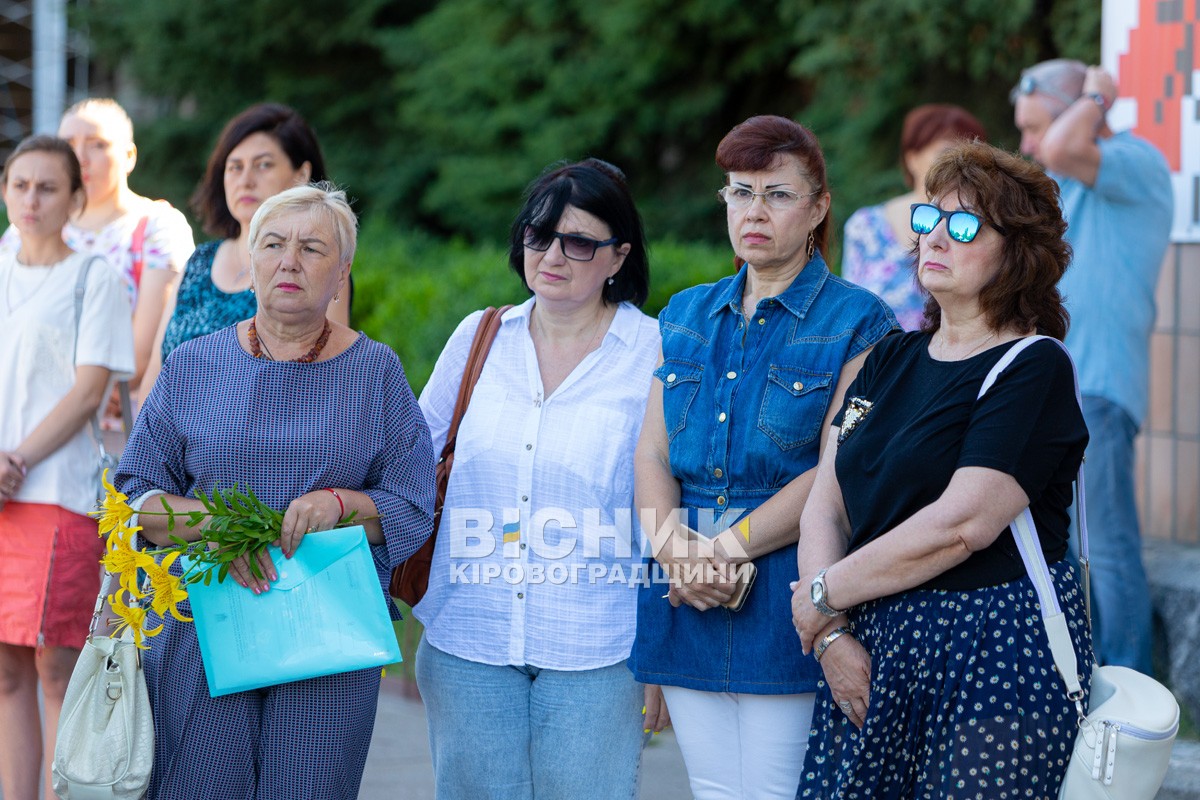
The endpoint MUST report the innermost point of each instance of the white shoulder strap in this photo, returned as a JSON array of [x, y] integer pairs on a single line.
[[1080, 490], [1030, 547]]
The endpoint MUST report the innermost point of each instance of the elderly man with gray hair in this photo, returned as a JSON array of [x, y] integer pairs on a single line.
[[1116, 198]]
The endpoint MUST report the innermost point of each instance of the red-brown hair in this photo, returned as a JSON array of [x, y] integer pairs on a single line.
[[756, 145], [933, 122], [1016, 196]]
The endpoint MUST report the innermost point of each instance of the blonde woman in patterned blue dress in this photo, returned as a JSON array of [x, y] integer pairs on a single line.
[[938, 678], [320, 422]]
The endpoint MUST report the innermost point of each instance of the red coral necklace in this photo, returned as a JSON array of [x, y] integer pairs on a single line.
[[259, 350]]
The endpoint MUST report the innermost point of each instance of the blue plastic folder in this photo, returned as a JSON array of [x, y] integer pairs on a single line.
[[325, 615]]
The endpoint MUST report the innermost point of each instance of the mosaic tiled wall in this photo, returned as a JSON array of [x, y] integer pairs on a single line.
[[1169, 446]]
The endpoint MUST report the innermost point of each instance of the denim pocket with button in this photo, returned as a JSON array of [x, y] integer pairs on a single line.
[[681, 381], [794, 405]]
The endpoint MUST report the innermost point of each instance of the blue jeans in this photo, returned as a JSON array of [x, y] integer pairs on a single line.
[[1120, 594], [513, 733]]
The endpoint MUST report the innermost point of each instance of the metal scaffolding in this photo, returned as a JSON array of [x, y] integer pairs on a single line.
[[36, 49]]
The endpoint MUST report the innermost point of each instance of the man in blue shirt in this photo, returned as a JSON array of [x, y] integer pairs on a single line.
[[1116, 198]]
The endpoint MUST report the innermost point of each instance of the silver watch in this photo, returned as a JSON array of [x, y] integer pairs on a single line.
[[819, 593]]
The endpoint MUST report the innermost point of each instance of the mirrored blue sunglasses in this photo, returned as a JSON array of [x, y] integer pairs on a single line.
[[963, 226]]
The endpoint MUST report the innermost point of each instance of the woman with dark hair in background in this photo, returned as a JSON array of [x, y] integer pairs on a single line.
[[878, 251], [524, 674], [753, 369], [942, 682], [262, 151]]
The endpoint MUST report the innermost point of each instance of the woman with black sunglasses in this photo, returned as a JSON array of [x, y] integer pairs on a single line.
[[906, 559], [529, 615]]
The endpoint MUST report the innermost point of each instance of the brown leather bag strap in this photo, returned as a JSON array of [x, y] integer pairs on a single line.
[[410, 580], [481, 345]]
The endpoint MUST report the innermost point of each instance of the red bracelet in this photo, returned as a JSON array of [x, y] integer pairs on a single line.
[[341, 505]]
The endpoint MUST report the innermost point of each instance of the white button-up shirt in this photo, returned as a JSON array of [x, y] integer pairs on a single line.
[[537, 561]]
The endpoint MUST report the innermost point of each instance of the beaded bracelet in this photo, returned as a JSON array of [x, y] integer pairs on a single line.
[[341, 505], [829, 639]]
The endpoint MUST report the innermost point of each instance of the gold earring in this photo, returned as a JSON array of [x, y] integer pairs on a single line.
[[812, 244]]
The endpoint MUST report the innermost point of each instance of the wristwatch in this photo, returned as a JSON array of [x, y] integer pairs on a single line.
[[819, 593], [1099, 99]]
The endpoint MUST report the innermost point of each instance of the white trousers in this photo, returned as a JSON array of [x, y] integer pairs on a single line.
[[739, 746]]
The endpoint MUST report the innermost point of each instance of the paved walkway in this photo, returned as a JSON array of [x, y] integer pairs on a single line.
[[398, 766]]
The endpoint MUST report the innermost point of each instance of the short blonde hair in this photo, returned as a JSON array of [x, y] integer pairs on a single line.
[[315, 197], [105, 106]]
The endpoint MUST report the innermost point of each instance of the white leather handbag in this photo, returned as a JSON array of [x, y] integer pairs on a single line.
[[105, 744], [1124, 741]]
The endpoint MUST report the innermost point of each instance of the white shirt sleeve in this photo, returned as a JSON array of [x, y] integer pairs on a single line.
[[105, 336], [169, 243]]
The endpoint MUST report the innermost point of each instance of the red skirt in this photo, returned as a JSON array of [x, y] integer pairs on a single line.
[[49, 575]]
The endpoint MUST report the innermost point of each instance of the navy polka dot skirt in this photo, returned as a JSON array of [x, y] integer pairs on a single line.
[[965, 700]]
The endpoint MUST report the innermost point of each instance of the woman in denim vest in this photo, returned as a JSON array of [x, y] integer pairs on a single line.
[[752, 366]]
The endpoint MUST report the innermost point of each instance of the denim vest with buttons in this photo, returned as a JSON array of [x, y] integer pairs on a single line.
[[744, 405]]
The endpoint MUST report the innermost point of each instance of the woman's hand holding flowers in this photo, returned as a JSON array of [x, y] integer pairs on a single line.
[[245, 576], [319, 510], [230, 533]]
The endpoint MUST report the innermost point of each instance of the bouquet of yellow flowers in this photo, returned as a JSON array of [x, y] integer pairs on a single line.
[[233, 523]]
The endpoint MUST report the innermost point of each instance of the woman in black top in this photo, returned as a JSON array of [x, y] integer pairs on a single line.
[[939, 681]]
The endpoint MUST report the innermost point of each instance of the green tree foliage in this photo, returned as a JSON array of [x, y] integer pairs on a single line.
[[436, 112], [214, 58], [492, 91], [873, 60]]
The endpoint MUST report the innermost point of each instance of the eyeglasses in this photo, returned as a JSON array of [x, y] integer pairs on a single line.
[[574, 246], [738, 197], [963, 226], [1029, 85]]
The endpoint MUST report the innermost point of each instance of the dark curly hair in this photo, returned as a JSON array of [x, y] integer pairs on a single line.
[[1016, 196]]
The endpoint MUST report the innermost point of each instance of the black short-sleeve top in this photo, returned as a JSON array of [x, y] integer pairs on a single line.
[[924, 422]]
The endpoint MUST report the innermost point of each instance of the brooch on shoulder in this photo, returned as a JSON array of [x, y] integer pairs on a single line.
[[856, 411]]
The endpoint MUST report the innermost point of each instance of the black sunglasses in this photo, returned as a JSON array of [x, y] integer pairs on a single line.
[[574, 246], [963, 226]]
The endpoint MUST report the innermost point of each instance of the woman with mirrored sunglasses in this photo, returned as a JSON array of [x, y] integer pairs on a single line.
[[752, 368], [530, 610], [878, 242], [905, 541]]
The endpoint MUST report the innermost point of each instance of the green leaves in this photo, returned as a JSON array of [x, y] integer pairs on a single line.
[[436, 114], [233, 523]]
